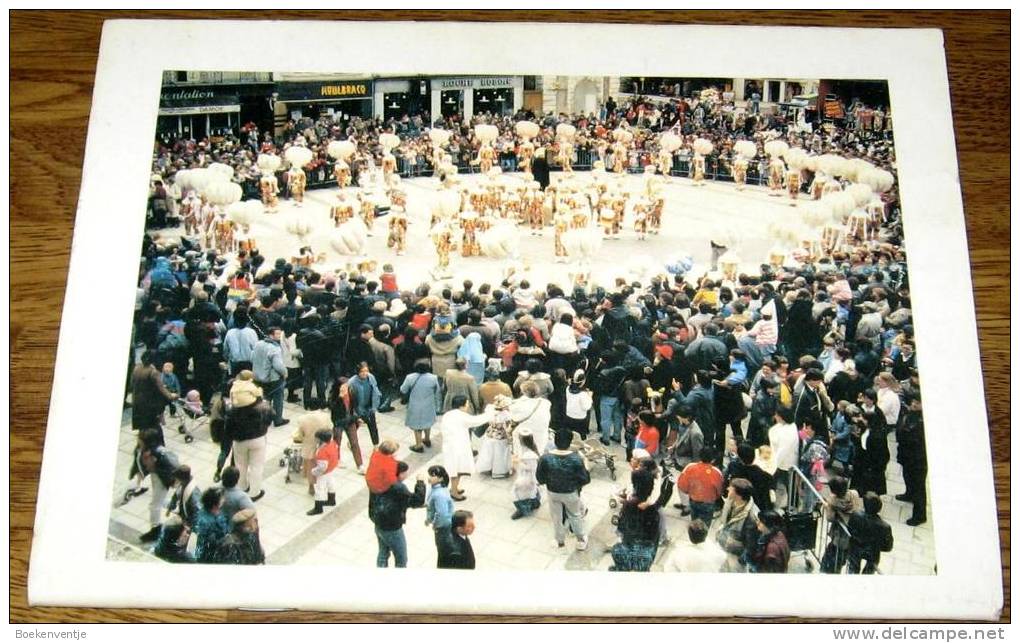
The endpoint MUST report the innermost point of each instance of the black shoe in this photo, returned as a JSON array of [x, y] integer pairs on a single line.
[[913, 522], [316, 510], [517, 515], [216, 477], [150, 535], [281, 423], [330, 499], [386, 409], [294, 399], [427, 443], [260, 496], [604, 442], [139, 491], [188, 439], [180, 429], [902, 497], [417, 449]]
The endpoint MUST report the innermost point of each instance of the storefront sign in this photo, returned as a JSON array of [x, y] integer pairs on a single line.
[[199, 109], [177, 97], [325, 90], [477, 83]]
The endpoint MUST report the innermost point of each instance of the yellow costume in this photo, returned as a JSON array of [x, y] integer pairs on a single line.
[[269, 189]]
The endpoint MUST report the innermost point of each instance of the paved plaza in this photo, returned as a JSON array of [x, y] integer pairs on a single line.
[[344, 536]]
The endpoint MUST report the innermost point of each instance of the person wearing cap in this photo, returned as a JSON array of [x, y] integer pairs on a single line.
[[241, 546], [247, 424], [270, 372]]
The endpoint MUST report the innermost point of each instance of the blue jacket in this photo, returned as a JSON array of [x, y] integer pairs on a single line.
[[439, 512], [267, 362], [366, 394]]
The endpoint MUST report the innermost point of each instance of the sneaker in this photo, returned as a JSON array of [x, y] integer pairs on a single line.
[[582, 544]]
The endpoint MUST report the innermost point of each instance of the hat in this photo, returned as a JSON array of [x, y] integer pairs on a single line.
[[523, 431], [640, 454], [243, 516], [246, 375], [397, 308]]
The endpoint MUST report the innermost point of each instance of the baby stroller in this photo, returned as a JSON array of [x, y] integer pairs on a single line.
[[594, 452], [292, 459], [190, 417]]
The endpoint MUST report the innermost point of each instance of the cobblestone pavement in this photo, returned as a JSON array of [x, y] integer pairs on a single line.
[[343, 535]]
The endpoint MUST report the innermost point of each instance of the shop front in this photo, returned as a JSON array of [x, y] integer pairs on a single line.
[[340, 99], [466, 97], [198, 112], [397, 98]]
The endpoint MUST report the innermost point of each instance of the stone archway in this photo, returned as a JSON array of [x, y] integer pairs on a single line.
[[586, 97]]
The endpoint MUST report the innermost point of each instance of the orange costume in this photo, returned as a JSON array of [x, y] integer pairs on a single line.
[[297, 182], [398, 232], [341, 211], [269, 188]]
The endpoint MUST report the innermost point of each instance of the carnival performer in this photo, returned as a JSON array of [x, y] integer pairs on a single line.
[[191, 208], [793, 183], [818, 185], [223, 233], [641, 208], [620, 157], [368, 214], [665, 162], [442, 238], [486, 155], [776, 170], [342, 210], [469, 241], [398, 232], [560, 224], [389, 167], [296, 184], [536, 202], [655, 214], [269, 189], [342, 173]]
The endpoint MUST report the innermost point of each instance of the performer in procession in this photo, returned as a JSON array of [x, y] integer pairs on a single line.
[[641, 211], [469, 242], [793, 183], [367, 209], [536, 201], [342, 174], [442, 238], [655, 214], [296, 184], [560, 224], [776, 171], [342, 210], [191, 208], [269, 188], [397, 238]]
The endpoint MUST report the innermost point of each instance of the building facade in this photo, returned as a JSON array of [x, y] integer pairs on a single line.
[[197, 104]]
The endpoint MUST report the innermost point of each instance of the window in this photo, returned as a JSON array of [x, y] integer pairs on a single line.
[[530, 83], [182, 76]]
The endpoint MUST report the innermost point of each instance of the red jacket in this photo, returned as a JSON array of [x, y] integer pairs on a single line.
[[381, 473], [701, 481]]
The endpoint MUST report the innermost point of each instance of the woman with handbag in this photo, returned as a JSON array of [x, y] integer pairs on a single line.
[[421, 393]]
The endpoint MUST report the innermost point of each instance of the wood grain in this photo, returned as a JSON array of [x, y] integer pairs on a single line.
[[52, 66]]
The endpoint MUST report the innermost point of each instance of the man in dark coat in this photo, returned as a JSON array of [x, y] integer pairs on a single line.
[[869, 537], [912, 455], [707, 350], [455, 551], [148, 396]]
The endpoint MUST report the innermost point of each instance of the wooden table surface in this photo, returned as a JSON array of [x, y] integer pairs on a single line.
[[52, 65]]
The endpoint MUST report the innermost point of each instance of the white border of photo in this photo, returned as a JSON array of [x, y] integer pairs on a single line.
[[68, 564]]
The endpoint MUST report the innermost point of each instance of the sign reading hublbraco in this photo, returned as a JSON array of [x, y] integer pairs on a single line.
[[325, 90]]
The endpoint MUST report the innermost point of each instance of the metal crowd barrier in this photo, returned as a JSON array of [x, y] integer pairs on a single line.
[[808, 529]]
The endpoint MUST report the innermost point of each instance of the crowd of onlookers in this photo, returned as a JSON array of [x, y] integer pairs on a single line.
[[764, 397]]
